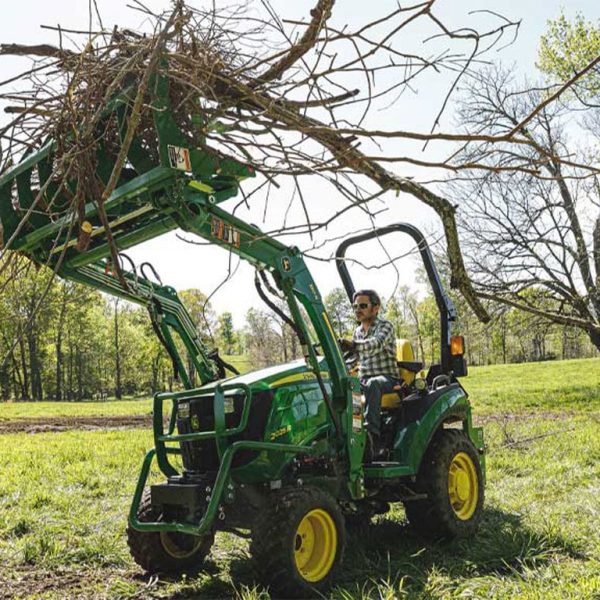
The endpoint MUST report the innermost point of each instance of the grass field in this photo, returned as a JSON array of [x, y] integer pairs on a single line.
[[64, 498]]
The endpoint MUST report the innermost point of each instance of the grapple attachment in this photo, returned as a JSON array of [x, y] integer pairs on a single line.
[[44, 214]]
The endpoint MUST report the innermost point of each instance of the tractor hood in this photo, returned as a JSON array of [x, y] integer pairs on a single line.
[[271, 377]]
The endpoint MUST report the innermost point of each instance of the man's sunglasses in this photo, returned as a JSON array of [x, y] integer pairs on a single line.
[[362, 306]]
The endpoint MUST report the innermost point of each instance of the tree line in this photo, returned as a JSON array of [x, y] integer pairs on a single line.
[[64, 341]]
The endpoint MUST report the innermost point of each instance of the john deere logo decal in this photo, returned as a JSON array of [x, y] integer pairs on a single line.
[[286, 264]]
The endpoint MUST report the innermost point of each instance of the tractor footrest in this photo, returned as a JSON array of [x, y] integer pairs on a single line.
[[189, 496], [387, 470]]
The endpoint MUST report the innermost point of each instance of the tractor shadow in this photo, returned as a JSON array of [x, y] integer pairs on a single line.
[[389, 550]]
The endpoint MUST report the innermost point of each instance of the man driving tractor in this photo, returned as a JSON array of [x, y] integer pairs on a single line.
[[375, 344]]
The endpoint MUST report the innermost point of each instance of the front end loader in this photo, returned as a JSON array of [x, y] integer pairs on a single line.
[[276, 455]]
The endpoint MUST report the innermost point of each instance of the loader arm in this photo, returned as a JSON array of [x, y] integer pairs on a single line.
[[181, 189]]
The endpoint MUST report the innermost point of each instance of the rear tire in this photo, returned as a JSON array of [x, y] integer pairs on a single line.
[[165, 552], [451, 477], [298, 543]]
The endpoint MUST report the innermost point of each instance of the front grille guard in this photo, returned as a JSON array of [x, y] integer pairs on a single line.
[[225, 449]]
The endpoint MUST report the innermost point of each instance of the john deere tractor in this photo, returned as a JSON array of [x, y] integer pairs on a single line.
[[277, 454]]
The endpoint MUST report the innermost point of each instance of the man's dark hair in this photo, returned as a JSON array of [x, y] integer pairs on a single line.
[[374, 298]]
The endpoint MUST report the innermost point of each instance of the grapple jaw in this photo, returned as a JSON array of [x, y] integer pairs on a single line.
[[45, 215]]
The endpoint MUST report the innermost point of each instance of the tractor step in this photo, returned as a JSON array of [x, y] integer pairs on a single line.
[[387, 470]]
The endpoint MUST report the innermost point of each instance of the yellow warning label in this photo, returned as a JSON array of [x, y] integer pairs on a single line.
[[225, 232], [179, 158]]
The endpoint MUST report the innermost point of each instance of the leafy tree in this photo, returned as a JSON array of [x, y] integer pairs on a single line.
[[263, 344], [205, 319], [340, 312], [201, 312], [401, 310], [568, 47], [226, 332], [429, 329]]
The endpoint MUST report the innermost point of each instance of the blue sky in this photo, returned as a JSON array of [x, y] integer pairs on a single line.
[[182, 265]]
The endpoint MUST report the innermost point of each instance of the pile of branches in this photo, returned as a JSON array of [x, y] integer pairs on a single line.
[[291, 98]]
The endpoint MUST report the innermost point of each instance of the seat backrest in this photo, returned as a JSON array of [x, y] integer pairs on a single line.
[[405, 353]]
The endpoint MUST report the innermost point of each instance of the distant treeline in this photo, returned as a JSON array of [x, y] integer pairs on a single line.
[[62, 341]]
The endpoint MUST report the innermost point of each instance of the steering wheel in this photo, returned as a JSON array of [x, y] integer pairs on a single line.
[[350, 358]]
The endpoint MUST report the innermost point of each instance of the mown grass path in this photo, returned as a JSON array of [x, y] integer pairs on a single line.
[[64, 497]]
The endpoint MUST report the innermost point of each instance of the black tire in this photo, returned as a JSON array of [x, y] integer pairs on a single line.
[[451, 477], [165, 552], [278, 547]]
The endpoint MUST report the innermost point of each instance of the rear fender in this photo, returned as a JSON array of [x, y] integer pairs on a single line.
[[452, 406]]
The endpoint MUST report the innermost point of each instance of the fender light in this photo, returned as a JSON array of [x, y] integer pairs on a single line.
[[457, 345]]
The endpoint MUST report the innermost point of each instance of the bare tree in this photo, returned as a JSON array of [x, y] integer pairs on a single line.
[[533, 239]]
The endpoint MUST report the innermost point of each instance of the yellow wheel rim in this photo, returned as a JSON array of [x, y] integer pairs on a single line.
[[180, 545], [463, 488], [315, 545]]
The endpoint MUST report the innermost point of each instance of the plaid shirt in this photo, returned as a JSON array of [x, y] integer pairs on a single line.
[[376, 349]]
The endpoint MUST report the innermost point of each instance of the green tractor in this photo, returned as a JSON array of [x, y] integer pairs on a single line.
[[277, 454]]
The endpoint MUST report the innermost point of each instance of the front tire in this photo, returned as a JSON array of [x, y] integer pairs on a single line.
[[298, 543], [165, 552], [451, 477]]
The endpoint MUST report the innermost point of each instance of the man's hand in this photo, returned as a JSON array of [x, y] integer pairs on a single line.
[[347, 345]]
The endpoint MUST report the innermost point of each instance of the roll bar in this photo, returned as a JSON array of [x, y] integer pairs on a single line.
[[444, 303]]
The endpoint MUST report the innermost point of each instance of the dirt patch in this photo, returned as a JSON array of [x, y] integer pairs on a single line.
[[46, 424], [540, 415], [49, 424], [27, 581]]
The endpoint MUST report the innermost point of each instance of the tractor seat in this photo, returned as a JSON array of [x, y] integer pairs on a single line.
[[408, 368], [412, 366]]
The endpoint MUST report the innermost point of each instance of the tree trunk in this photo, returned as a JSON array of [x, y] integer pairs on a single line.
[[118, 392], [18, 387], [25, 379], [79, 364], [70, 371], [34, 365], [594, 338], [155, 372], [5, 382], [419, 336], [191, 369], [59, 368], [59, 352]]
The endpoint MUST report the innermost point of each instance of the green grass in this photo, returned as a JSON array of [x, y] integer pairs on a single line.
[[31, 410], [64, 498], [240, 361], [567, 385], [555, 386]]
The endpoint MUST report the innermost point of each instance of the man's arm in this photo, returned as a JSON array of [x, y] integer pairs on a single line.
[[374, 344]]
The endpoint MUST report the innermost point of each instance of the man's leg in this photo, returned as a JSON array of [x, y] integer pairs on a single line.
[[373, 389]]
